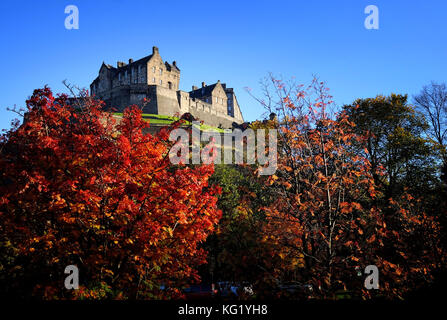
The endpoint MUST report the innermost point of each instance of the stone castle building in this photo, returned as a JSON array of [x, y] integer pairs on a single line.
[[158, 82]]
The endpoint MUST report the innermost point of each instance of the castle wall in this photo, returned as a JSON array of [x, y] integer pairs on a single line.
[[184, 101], [137, 94], [166, 100], [237, 110], [204, 111], [117, 98], [213, 119]]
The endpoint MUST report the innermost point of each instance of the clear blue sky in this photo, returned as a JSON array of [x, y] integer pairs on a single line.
[[237, 42]]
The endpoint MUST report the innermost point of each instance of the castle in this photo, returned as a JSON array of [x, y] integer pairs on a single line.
[[158, 82]]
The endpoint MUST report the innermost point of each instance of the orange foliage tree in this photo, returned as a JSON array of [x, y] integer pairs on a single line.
[[78, 188], [325, 225]]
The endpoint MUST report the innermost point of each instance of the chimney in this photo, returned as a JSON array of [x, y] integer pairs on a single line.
[[174, 63], [203, 85], [194, 88], [154, 50], [120, 64], [130, 61]]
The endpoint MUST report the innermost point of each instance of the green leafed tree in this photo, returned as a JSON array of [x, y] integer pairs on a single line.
[[396, 144]]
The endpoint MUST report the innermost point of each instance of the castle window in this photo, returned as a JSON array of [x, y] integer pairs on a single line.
[[161, 71], [170, 85], [217, 99], [153, 69], [119, 76], [153, 80], [161, 82]]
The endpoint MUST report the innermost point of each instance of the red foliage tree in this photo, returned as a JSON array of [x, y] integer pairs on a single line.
[[79, 188]]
